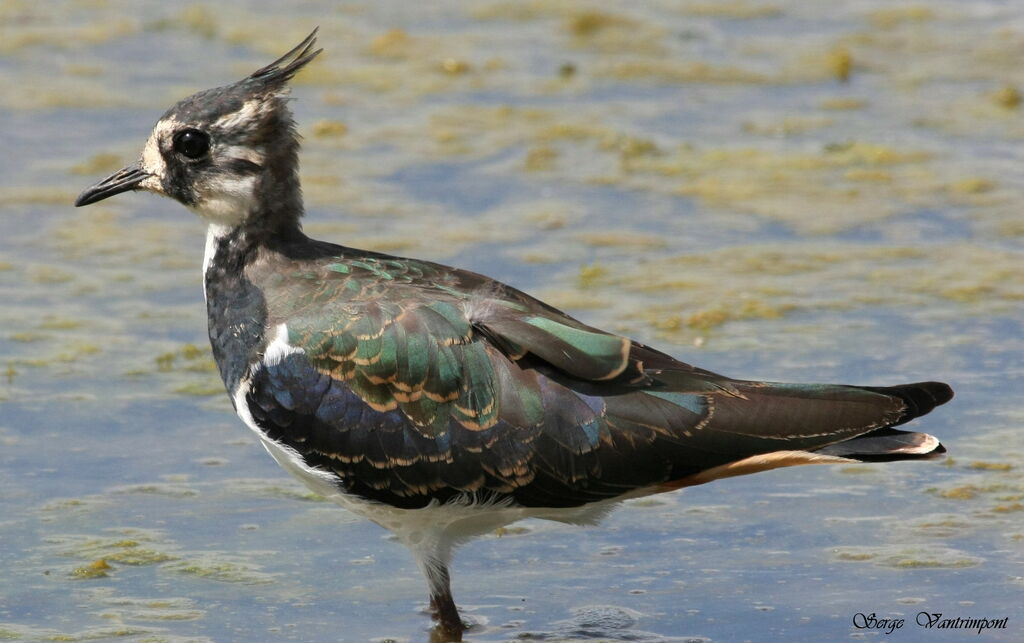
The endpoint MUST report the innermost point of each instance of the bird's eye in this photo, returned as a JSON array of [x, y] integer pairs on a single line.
[[192, 143]]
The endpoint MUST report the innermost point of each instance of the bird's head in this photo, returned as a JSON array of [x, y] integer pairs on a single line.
[[224, 152]]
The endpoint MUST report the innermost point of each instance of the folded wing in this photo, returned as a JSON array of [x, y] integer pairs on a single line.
[[414, 390]]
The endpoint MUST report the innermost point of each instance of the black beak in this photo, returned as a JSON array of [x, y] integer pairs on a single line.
[[121, 181]]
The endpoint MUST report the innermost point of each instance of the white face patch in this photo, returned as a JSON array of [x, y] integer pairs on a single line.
[[221, 192], [152, 159], [226, 200]]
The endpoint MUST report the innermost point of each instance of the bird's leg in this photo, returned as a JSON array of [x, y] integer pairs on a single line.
[[443, 605], [433, 562], [433, 551]]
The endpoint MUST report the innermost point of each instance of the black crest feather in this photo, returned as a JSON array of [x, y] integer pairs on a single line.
[[285, 67]]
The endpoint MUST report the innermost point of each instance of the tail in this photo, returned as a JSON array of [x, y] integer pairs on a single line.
[[920, 398], [772, 425], [888, 444]]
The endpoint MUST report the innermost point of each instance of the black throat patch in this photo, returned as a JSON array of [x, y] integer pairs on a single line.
[[236, 309]]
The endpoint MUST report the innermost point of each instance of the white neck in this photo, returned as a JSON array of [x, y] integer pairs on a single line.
[[214, 233]]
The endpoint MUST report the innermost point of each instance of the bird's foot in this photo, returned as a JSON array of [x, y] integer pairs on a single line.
[[443, 634], [449, 624]]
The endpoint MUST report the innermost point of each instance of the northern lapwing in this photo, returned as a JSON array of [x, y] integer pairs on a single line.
[[442, 404]]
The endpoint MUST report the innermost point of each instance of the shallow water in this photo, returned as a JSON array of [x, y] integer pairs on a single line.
[[778, 190]]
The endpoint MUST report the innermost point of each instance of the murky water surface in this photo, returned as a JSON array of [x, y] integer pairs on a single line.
[[772, 189]]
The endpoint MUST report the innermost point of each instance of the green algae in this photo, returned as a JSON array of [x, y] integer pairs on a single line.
[[608, 33], [672, 72], [540, 158], [28, 337], [78, 351], [706, 290], [273, 490], [791, 187], [839, 63], [1007, 96], [588, 23], [934, 528], [99, 232], [892, 17], [991, 466], [993, 491], [1008, 508], [732, 9], [18, 632], [168, 490], [212, 386], [66, 506], [394, 44], [222, 567], [622, 239], [43, 274], [843, 103], [327, 128], [472, 130], [61, 323], [131, 547], [195, 18], [786, 125], [15, 36], [68, 353], [907, 556], [95, 569], [589, 275], [34, 195], [193, 370], [156, 616], [102, 163]]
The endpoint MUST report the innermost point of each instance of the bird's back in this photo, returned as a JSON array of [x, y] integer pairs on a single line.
[[413, 382]]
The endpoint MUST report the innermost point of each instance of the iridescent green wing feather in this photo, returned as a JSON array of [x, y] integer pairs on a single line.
[[416, 382], [406, 336]]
